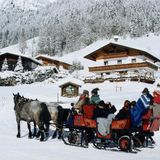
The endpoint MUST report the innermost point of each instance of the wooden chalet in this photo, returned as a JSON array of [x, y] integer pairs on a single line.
[[69, 89], [28, 63], [47, 60], [122, 60]]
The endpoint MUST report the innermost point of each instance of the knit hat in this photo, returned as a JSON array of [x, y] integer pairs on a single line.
[[95, 90], [145, 90], [85, 92]]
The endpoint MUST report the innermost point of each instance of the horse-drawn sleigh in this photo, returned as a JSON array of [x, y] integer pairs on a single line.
[[81, 129], [122, 133]]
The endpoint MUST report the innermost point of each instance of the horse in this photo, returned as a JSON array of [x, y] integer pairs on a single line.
[[53, 108], [65, 113], [30, 135], [31, 111], [58, 114]]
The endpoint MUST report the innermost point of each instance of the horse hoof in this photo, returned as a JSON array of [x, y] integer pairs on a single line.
[[54, 136], [30, 136], [34, 135], [18, 136], [38, 135], [41, 139], [47, 134]]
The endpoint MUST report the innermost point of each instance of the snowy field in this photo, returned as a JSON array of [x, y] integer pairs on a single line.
[[12, 148]]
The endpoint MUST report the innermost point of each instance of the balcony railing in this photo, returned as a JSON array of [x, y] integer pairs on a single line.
[[123, 66]]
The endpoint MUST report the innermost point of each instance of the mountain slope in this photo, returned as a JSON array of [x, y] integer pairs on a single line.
[[66, 26]]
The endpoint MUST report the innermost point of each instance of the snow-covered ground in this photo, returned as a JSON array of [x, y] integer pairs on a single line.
[[54, 149]]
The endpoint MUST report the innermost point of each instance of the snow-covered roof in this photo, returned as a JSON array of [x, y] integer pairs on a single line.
[[147, 43], [52, 58], [44, 68], [93, 55], [71, 80], [21, 55], [31, 49]]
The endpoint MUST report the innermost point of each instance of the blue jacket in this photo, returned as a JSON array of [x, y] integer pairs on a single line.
[[140, 108]]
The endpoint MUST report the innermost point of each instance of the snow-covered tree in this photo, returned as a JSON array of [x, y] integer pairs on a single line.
[[4, 65], [76, 65], [22, 42], [65, 26], [19, 66]]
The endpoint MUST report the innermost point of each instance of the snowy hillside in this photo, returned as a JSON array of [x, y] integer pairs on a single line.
[[30, 50], [66, 26], [23, 4]]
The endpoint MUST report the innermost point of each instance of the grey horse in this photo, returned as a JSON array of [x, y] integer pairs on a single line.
[[58, 115], [31, 111]]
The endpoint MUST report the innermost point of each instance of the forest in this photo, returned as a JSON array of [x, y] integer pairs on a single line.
[[64, 26]]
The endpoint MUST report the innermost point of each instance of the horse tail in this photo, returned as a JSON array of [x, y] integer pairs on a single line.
[[60, 116], [45, 116]]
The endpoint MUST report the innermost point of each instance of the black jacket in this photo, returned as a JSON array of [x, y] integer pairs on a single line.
[[103, 112], [123, 114]]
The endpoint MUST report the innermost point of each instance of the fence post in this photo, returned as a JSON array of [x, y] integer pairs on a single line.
[[57, 97]]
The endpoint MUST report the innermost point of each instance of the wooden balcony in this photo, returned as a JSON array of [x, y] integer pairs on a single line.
[[122, 79], [123, 67]]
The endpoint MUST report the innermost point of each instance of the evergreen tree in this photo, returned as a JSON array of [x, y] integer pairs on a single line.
[[66, 26], [22, 42], [19, 66], [4, 65], [76, 65]]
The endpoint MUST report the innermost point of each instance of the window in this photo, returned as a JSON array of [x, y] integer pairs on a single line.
[[134, 60], [119, 61], [70, 90], [105, 63]]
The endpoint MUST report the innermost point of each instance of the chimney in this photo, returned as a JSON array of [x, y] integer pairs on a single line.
[[116, 38]]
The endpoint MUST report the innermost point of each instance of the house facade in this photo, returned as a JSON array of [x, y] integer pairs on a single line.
[[28, 63], [47, 60], [123, 62]]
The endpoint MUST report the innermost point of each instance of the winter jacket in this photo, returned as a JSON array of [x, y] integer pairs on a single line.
[[103, 112], [112, 110], [100, 112], [82, 101], [95, 99], [142, 105], [123, 114]]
